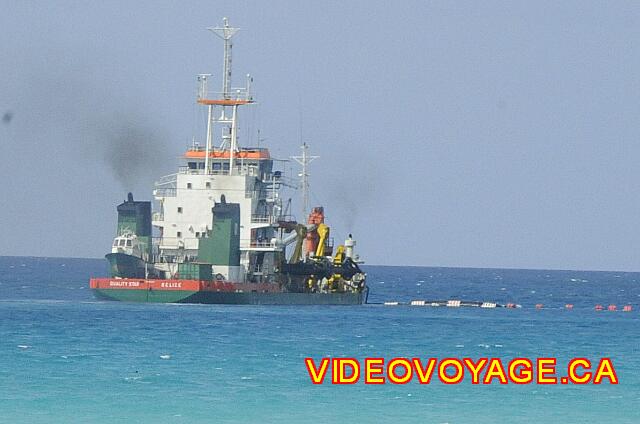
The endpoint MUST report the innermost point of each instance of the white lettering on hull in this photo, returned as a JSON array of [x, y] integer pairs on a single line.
[[124, 283]]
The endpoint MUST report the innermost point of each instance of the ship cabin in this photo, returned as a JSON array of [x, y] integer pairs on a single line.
[[253, 161]]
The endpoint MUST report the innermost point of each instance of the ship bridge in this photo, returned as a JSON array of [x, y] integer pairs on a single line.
[[247, 161]]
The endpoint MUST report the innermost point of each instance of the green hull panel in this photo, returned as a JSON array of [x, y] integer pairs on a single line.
[[125, 266], [232, 298], [157, 296]]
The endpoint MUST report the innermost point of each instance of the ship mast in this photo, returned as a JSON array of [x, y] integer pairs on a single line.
[[226, 33], [304, 160], [203, 92], [228, 98]]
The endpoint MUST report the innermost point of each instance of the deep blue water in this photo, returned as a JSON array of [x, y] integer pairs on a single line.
[[68, 358]]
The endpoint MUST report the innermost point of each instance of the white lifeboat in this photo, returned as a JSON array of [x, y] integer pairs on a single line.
[[128, 244]]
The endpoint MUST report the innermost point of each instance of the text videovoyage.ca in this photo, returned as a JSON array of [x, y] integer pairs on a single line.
[[459, 370]]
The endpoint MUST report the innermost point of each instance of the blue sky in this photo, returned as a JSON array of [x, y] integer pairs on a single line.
[[488, 134]]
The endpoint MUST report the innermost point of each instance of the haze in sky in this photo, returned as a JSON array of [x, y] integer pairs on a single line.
[[484, 134]]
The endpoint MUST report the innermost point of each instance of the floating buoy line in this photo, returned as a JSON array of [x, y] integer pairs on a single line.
[[455, 303]]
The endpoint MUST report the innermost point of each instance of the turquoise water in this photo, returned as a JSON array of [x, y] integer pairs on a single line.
[[70, 359]]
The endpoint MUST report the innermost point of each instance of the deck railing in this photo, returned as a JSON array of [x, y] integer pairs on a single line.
[[165, 191], [263, 219]]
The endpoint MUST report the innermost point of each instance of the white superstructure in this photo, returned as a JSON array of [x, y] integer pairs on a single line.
[[221, 168]]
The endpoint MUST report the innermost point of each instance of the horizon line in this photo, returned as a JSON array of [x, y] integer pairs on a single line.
[[378, 265]]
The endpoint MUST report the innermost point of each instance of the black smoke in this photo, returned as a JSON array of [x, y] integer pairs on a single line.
[[134, 150]]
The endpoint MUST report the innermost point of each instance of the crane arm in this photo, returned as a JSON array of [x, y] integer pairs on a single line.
[[301, 233], [323, 232]]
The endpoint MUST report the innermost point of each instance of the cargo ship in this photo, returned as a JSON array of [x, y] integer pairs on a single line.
[[220, 231]]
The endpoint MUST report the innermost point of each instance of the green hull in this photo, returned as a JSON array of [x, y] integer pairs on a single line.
[[125, 266], [231, 298], [157, 296]]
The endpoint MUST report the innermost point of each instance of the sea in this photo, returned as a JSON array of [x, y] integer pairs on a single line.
[[69, 358]]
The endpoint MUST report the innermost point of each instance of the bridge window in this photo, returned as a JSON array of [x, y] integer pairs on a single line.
[[128, 243], [179, 209], [192, 165], [189, 186], [207, 184], [179, 234]]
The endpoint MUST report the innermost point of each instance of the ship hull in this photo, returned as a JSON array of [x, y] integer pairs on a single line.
[[192, 291], [126, 266]]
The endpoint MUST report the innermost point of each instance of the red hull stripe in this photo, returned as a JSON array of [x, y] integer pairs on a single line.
[[188, 285]]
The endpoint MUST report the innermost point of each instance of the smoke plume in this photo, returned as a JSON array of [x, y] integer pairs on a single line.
[[134, 151]]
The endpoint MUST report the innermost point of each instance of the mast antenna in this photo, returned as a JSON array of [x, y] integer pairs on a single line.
[[304, 161], [225, 100], [226, 33]]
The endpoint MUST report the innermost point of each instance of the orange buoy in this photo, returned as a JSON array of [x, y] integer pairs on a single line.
[[599, 308], [539, 305], [569, 306], [627, 308], [612, 308]]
